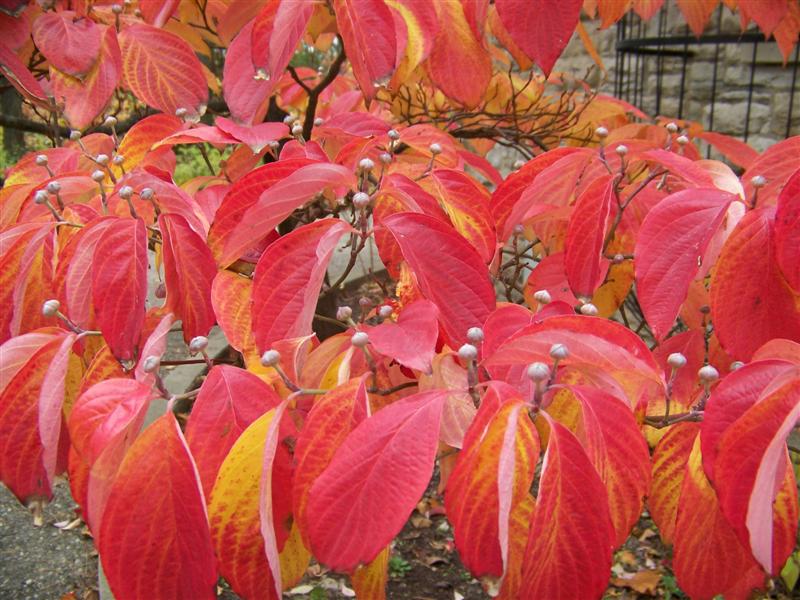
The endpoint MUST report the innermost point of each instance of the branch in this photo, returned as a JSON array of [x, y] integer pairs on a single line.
[[313, 95]]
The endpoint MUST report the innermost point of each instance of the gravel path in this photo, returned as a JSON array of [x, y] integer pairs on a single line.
[[44, 563]]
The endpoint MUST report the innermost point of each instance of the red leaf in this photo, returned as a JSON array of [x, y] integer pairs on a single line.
[[242, 221], [20, 77], [583, 258], [787, 231], [69, 42], [617, 449], [119, 285], [697, 13], [776, 164], [155, 345], [189, 271], [288, 278], [158, 12], [367, 28], [103, 424], [155, 531], [751, 465], [492, 478], [571, 535], [751, 302], [448, 269], [257, 137], [229, 400], [246, 91], [541, 28], [766, 13], [670, 246], [21, 453], [412, 340], [161, 69], [374, 482], [731, 148]]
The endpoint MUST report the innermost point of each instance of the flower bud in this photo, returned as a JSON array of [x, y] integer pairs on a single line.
[[736, 365], [118, 159], [366, 164], [98, 175], [601, 132], [676, 360], [75, 135], [622, 149], [126, 192], [385, 311], [40, 197], [360, 200], [435, 148], [468, 352], [181, 112], [385, 158], [360, 339], [682, 140], [343, 313], [110, 121], [708, 374], [274, 145], [393, 134], [41, 160], [50, 308], [151, 364], [270, 358], [475, 335], [758, 181], [518, 164], [161, 291], [364, 302], [589, 309], [116, 9], [318, 121], [559, 351], [146, 193], [101, 159], [542, 297], [297, 129], [288, 119], [53, 187], [672, 127], [519, 229], [198, 344], [538, 371], [618, 259]]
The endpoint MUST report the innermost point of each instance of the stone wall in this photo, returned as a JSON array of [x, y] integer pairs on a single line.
[[772, 81]]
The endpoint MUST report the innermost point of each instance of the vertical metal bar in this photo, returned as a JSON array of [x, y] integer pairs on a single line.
[[660, 59], [750, 91], [714, 80], [683, 80], [791, 92], [639, 75]]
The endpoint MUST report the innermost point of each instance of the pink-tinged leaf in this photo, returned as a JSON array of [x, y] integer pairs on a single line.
[[278, 40], [155, 345], [583, 258], [751, 465], [550, 276], [458, 64], [787, 231], [619, 453], [193, 135], [119, 285], [229, 400], [69, 42], [492, 478], [751, 302], [21, 460], [685, 383], [161, 69], [505, 321], [483, 166], [189, 271], [708, 558], [332, 418], [103, 424], [411, 341], [780, 349], [158, 12], [257, 137], [18, 350], [680, 166], [467, 204], [169, 198], [776, 164], [449, 271], [273, 205], [571, 536], [374, 481], [670, 248], [541, 28], [230, 297], [246, 91], [367, 28], [51, 402], [288, 278], [459, 409], [158, 484], [20, 77], [731, 148]]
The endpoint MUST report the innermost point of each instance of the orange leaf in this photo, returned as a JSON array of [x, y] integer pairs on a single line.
[[230, 297], [369, 581]]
